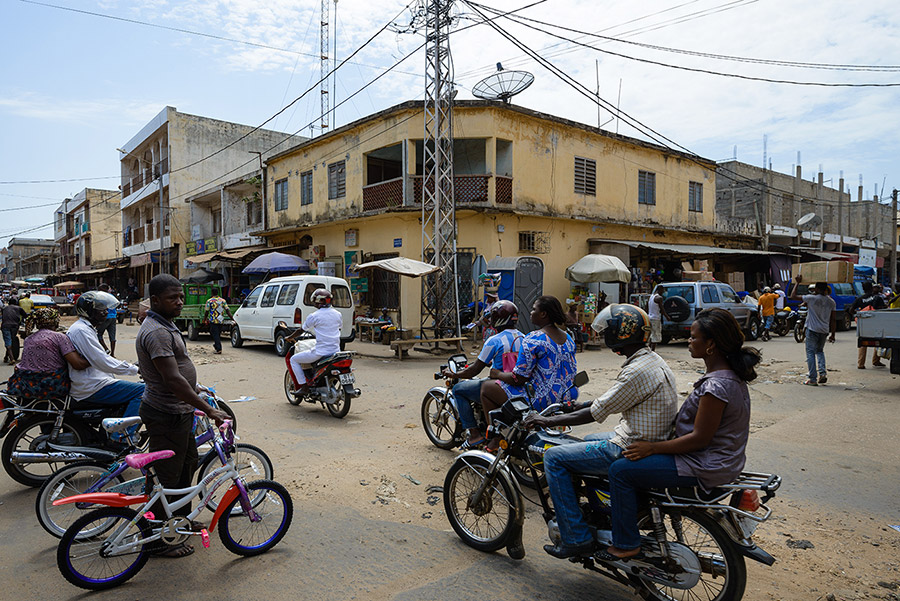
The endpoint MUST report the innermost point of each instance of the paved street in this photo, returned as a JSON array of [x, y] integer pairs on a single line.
[[835, 446]]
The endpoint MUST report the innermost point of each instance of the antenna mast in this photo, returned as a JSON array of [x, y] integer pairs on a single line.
[[323, 65], [440, 303]]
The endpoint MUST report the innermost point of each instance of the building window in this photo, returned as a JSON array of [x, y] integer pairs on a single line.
[[695, 197], [254, 211], [646, 188], [217, 221], [306, 189], [534, 242], [337, 180], [585, 176], [281, 194]]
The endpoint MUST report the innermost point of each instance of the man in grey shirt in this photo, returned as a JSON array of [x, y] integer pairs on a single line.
[[821, 320], [170, 395]]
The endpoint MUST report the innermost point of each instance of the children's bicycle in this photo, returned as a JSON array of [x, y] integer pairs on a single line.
[[108, 546]]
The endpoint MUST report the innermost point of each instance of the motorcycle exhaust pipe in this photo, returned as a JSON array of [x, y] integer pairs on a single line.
[[22, 458]]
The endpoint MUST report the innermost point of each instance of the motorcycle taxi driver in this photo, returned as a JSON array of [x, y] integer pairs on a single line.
[[644, 393], [326, 323]]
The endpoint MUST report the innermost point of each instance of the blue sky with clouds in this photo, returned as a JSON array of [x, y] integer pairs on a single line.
[[76, 86]]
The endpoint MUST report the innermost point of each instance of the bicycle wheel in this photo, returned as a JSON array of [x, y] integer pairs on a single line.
[[87, 561], [251, 462], [723, 572], [275, 509], [71, 480], [440, 421], [32, 434], [487, 525]]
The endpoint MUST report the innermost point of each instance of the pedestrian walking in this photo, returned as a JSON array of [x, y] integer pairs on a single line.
[[821, 323], [215, 312], [108, 326], [767, 303], [869, 300], [12, 316]]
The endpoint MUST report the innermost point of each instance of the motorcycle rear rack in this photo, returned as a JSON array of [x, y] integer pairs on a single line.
[[768, 483]]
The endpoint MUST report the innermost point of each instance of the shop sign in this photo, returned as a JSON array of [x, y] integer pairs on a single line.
[[398, 242], [351, 238], [359, 284]]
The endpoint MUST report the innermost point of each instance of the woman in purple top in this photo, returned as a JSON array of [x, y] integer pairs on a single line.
[[711, 430], [47, 354]]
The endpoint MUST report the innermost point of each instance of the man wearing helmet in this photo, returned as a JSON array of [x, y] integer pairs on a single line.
[[96, 384], [644, 393], [506, 342], [325, 323]]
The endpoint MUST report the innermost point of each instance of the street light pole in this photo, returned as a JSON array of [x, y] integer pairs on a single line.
[[893, 281]]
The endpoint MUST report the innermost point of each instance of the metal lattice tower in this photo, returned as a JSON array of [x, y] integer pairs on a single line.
[[323, 65], [440, 303]]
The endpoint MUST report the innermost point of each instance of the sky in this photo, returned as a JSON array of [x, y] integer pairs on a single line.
[[75, 86]]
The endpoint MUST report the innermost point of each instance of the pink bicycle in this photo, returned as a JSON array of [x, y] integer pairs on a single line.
[[108, 546]]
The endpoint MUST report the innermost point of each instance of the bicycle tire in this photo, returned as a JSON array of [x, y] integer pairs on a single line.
[[73, 479], [236, 529], [257, 468]]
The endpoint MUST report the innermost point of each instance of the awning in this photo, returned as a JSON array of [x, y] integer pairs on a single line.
[[234, 254], [90, 271], [685, 249], [401, 265], [201, 258]]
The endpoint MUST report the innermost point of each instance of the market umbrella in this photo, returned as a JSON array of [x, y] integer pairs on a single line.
[[35, 279], [403, 266], [598, 268], [19, 283], [70, 284], [204, 276], [276, 262]]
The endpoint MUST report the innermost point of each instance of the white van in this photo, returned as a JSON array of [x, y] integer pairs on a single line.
[[287, 300]]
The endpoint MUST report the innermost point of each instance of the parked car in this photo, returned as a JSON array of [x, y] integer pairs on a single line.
[[843, 295], [287, 300], [683, 300]]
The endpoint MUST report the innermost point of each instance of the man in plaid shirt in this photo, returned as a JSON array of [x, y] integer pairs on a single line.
[[643, 392]]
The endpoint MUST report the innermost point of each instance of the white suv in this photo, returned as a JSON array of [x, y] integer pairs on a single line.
[[683, 300]]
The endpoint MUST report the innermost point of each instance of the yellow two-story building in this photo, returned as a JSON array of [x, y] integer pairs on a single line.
[[526, 183]]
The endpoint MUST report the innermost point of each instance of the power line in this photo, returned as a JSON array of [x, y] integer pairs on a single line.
[[706, 71]]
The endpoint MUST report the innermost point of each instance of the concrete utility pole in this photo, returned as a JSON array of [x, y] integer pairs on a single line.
[[440, 302], [893, 279]]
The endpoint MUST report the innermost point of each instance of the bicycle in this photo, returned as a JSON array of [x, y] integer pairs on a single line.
[[108, 546], [95, 476]]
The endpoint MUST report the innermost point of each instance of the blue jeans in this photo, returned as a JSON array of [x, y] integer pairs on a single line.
[[626, 477], [770, 319], [592, 457], [467, 394], [120, 392], [815, 352], [8, 334]]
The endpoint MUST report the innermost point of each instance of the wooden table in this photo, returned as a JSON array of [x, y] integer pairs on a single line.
[[372, 326], [398, 346]]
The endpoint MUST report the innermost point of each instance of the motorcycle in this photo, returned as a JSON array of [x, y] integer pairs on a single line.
[[330, 380], [694, 543], [799, 322], [782, 325]]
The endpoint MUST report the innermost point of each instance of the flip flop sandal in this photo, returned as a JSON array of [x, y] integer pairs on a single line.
[[467, 446]]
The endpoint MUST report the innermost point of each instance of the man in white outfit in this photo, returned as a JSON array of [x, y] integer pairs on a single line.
[[656, 311], [325, 322]]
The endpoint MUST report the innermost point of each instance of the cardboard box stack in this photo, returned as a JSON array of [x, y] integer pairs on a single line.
[[832, 272], [696, 272]]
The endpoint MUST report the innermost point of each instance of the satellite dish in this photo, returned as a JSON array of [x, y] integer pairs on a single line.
[[502, 85], [809, 221]]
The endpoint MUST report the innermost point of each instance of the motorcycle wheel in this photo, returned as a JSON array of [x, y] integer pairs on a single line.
[[800, 332], [251, 462], [289, 389], [30, 434], [340, 408], [440, 421], [723, 571], [488, 526], [74, 479]]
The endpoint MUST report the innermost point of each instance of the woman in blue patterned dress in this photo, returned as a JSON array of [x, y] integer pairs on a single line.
[[547, 361]]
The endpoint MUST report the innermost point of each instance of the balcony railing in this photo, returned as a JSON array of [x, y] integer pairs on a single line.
[[383, 194], [504, 190], [467, 189], [141, 234], [134, 183]]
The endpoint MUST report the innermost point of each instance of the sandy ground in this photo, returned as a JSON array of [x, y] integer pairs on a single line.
[[365, 480]]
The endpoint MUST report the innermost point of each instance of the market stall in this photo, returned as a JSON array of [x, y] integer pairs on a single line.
[[590, 269]]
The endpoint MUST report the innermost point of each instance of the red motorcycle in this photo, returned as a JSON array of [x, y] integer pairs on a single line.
[[330, 379]]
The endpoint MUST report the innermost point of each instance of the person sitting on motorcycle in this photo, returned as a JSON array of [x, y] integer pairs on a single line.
[[644, 393], [547, 361], [779, 304], [503, 317], [326, 323], [711, 431], [96, 384], [43, 371]]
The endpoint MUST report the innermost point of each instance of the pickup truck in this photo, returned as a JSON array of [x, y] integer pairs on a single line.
[[191, 318], [880, 328]]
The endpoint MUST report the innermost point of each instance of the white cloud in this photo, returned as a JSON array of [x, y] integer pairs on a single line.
[[46, 108]]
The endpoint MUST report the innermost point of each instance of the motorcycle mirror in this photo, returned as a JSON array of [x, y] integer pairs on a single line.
[[581, 378]]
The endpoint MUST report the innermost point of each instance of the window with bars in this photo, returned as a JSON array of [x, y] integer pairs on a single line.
[[585, 176], [534, 242], [695, 197], [337, 180], [646, 188], [281, 194], [306, 188], [254, 211]]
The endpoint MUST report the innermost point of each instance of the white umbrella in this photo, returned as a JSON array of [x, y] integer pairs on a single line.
[[403, 266], [598, 268]]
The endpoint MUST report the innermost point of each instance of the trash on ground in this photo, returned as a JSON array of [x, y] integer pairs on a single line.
[[242, 399], [411, 479], [800, 544]]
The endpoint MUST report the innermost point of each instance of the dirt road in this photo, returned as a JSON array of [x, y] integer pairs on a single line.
[[363, 530]]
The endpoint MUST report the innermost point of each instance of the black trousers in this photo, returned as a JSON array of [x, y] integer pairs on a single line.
[[216, 330], [173, 432]]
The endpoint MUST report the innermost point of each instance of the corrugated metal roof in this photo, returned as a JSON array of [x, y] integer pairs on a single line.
[[686, 249]]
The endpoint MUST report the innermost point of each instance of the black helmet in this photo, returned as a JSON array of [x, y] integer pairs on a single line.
[[95, 305], [321, 298], [622, 325], [504, 315]]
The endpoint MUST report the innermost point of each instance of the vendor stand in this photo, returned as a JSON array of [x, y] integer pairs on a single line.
[[589, 269]]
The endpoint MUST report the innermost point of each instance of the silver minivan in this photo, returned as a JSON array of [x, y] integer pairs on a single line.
[[286, 300], [683, 300]]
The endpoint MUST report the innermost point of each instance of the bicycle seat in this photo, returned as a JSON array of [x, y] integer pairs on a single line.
[[120, 424], [140, 460]]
